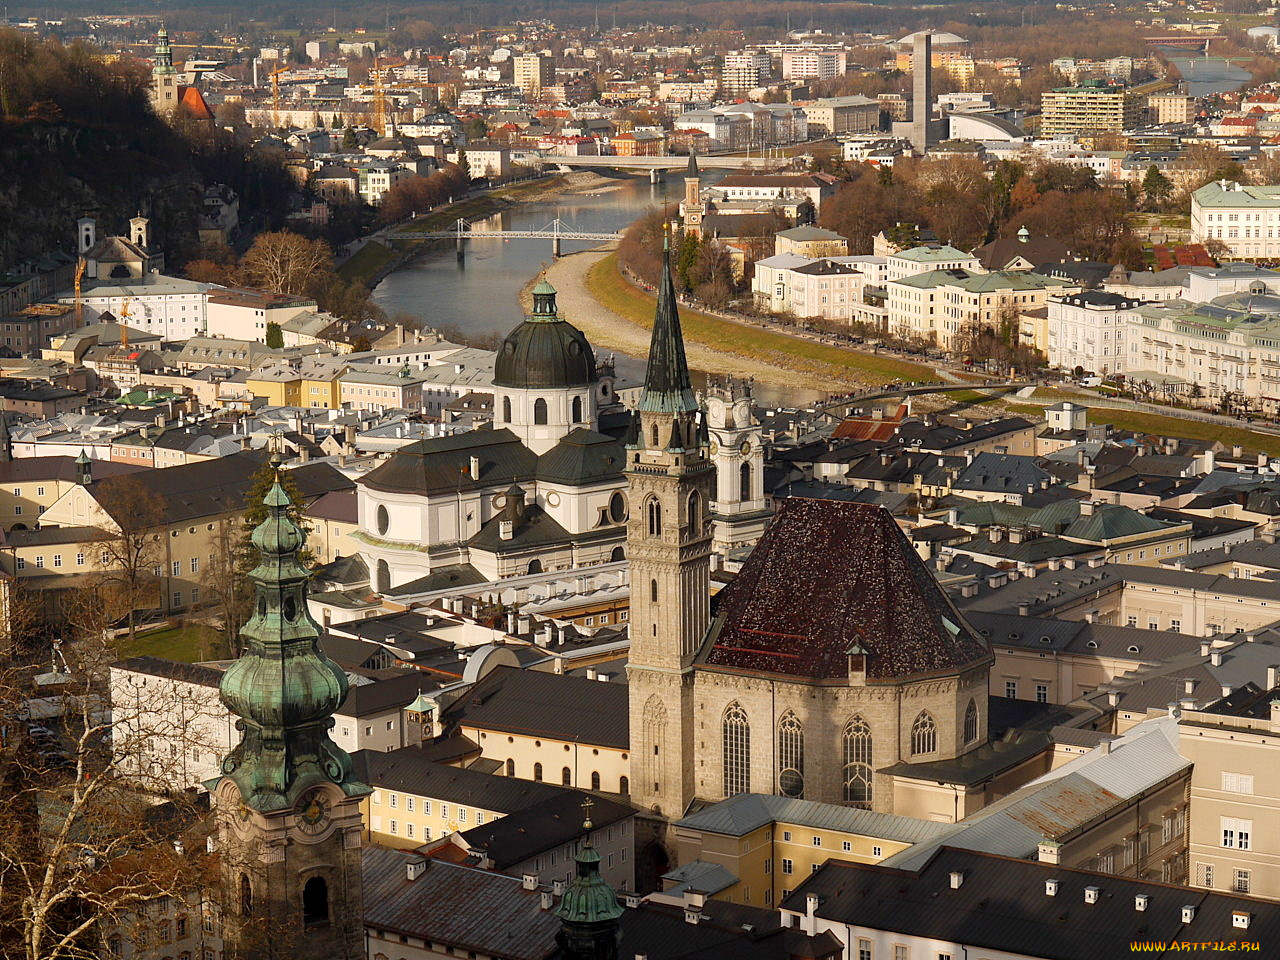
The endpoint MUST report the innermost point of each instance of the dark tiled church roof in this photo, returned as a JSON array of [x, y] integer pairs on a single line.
[[830, 578]]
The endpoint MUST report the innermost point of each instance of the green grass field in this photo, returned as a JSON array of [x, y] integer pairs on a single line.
[[1190, 429], [370, 258], [607, 285], [188, 643]]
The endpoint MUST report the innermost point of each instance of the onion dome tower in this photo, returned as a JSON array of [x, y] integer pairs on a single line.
[[589, 909], [288, 804]]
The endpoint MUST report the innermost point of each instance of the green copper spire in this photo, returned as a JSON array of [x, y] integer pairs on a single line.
[[667, 388], [283, 689], [589, 909], [164, 57], [691, 171]]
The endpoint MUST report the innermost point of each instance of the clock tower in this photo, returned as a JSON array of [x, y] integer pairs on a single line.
[[287, 805], [740, 511]]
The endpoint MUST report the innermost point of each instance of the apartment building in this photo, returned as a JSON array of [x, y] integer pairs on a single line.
[[942, 304], [801, 287], [813, 64], [832, 116], [745, 71], [1088, 330], [1171, 108], [532, 72], [1068, 112], [1245, 219]]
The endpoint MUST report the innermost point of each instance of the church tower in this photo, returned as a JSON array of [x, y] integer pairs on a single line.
[[739, 512], [164, 79], [589, 910], [288, 806], [691, 208], [669, 545]]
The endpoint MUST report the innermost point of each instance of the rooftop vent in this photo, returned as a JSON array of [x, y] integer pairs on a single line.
[[1240, 919], [1091, 894], [529, 881], [1051, 888], [1140, 902], [1188, 913], [957, 878]]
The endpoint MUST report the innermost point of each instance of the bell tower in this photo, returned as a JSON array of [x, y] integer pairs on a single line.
[[739, 512], [164, 78], [691, 207], [287, 805], [671, 482]]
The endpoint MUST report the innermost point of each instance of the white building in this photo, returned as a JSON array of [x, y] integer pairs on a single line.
[[813, 64], [1245, 219], [829, 287], [245, 314], [1088, 330], [170, 307], [745, 71], [906, 263]]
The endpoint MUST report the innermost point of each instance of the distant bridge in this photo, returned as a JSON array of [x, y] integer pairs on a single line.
[[656, 165], [840, 406], [1190, 42], [556, 231]]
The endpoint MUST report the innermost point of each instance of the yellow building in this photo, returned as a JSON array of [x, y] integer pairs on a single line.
[[279, 386], [756, 848]]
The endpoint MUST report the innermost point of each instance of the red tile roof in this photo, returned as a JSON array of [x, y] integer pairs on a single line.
[[830, 577]]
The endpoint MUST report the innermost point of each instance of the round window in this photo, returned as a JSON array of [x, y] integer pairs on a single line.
[[791, 783], [617, 507], [384, 521]]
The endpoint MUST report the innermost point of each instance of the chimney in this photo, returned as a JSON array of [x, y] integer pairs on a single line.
[[1086, 508], [1051, 888], [1226, 690], [591, 673], [548, 901], [1188, 913], [558, 887], [475, 468], [632, 900], [1205, 646], [1273, 676], [957, 879], [1215, 658], [1188, 685], [1140, 902], [1049, 851], [511, 622], [529, 881], [415, 868], [1104, 747], [505, 529], [1091, 894], [809, 923], [1240, 919]]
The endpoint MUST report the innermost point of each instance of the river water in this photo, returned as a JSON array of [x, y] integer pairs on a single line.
[[1208, 75], [481, 294]]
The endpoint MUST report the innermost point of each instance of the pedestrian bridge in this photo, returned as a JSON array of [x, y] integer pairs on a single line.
[[463, 230], [841, 406]]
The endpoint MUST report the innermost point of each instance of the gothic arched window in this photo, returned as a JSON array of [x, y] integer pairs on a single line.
[[654, 735], [790, 756], [384, 577], [653, 514], [595, 779], [924, 734], [624, 786], [971, 722], [653, 436], [577, 409], [540, 411], [744, 482], [856, 741], [506, 409], [315, 901], [737, 750], [695, 513]]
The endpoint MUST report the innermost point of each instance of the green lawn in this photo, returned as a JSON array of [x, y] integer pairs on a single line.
[[1190, 429], [607, 285], [188, 643], [370, 258]]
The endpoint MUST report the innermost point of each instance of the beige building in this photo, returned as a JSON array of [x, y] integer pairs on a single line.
[[1234, 796], [1068, 112], [1171, 108], [832, 116], [756, 848], [532, 72]]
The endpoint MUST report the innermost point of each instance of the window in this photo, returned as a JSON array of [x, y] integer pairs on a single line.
[[744, 482], [395, 801], [408, 829], [1237, 782], [1204, 875], [595, 780], [479, 817], [506, 409], [1011, 689], [426, 807], [857, 744], [1236, 833], [395, 827], [817, 841], [195, 564], [57, 559], [768, 865], [177, 568], [901, 952], [1240, 882], [846, 846], [790, 756], [540, 411], [876, 852], [1042, 693], [22, 563], [1175, 626], [315, 901], [653, 516], [971, 722], [40, 562], [737, 751], [924, 734], [462, 814], [408, 803], [79, 559], [177, 598], [577, 410], [788, 866], [864, 950], [786, 836], [566, 776], [537, 771]]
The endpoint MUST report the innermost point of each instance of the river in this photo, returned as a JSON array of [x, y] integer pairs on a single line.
[[481, 294], [1207, 75]]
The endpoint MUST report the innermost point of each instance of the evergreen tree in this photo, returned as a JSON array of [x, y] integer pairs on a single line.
[[349, 139], [1156, 186], [256, 512], [275, 336]]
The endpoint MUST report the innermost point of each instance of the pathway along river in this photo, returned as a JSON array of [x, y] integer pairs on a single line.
[[481, 294]]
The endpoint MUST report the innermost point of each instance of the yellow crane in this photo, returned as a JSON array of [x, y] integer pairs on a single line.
[[380, 95], [80, 265], [124, 323], [275, 94]]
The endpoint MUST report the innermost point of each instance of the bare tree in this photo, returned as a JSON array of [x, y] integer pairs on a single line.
[[285, 262], [228, 593], [132, 547], [85, 855]]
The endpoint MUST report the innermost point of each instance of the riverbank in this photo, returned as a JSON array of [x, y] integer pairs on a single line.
[[616, 316]]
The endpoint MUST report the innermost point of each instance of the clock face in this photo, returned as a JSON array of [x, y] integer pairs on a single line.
[[313, 812], [745, 449], [715, 448]]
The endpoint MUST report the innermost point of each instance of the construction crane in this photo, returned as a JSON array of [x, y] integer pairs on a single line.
[[80, 265], [380, 95], [275, 94], [124, 323]]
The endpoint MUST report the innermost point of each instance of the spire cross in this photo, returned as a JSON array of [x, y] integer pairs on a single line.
[[587, 804]]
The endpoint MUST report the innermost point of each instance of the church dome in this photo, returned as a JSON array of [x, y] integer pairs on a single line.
[[544, 350]]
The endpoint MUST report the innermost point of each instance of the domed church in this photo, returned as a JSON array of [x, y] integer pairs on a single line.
[[542, 490]]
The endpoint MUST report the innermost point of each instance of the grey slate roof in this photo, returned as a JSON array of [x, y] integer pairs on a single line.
[[739, 815], [412, 771]]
